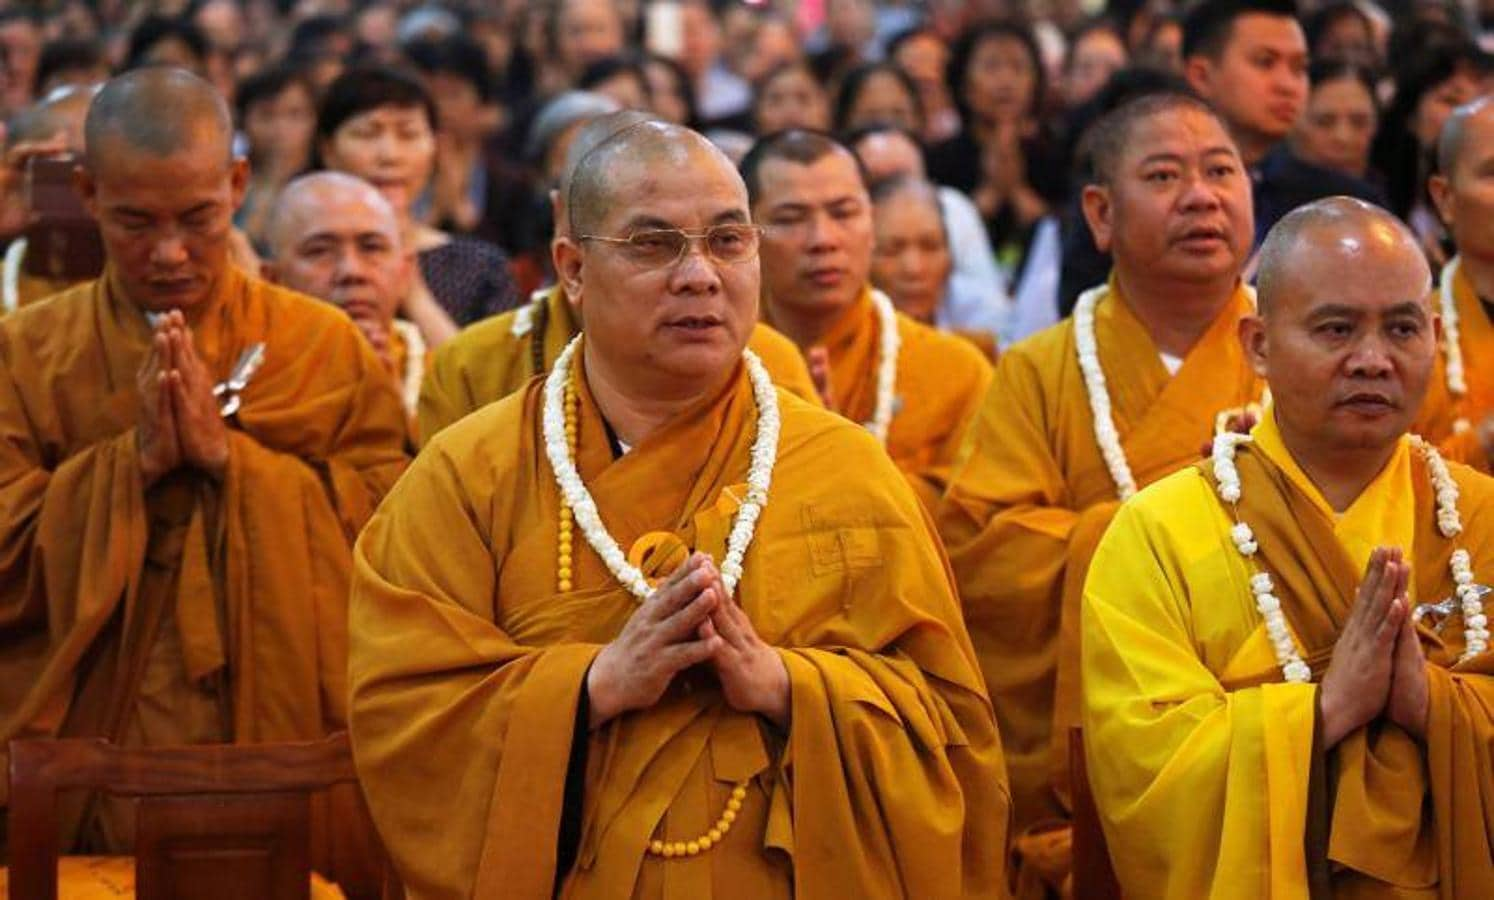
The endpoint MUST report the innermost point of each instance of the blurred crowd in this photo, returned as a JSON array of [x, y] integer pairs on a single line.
[[460, 113]]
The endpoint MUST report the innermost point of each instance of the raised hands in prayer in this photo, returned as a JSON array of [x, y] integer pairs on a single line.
[[180, 422], [818, 360], [1377, 667], [685, 622]]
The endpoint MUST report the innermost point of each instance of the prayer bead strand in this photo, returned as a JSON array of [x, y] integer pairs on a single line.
[[713, 837], [564, 558]]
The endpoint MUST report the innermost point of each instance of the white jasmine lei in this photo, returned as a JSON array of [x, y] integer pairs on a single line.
[[1452, 348], [1227, 476], [573, 492], [1106, 434], [890, 343]]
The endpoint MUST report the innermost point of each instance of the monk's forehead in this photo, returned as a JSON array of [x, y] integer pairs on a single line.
[[673, 178], [1181, 130], [339, 209], [1328, 257]]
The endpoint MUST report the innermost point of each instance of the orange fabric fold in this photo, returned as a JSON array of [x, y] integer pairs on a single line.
[[1442, 411], [889, 782]]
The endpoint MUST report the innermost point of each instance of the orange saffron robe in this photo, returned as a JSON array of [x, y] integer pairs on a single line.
[[193, 611], [493, 358], [468, 666], [1031, 495], [941, 379], [1449, 420]]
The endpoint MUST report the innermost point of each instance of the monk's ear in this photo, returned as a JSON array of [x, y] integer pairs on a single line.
[[565, 253], [1098, 212], [1252, 331], [87, 189], [238, 180], [1441, 193]]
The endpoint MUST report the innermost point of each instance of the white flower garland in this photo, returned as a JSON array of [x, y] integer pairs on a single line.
[[575, 496], [890, 343], [1452, 347], [1476, 633], [1106, 434]]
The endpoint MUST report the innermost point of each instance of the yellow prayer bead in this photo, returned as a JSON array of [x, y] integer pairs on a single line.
[[565, 587], [656, 847], [668, 851], [729, 816], [739, 792], [734, 805], [705, 843], [692, 848], [714, 835], [565, 572]]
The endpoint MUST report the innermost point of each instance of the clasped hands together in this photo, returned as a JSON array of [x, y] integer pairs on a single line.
[[180, 422], [1378, 668], [686, 621]]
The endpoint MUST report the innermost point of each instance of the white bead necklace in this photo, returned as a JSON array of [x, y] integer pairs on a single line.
[[1227, 477], [1106, 434], [576, 498]]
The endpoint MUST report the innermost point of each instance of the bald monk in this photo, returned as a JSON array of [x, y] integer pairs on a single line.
[[52, 126], [174, 564], [726, 662], [491, 359], [913, 387], [333, 236], [1035, 488], [1459, 410], [1287, 683]]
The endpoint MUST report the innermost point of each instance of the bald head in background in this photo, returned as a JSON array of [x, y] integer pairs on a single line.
[[587, 139], [160, 177], [60, 113], [333, 236], [1346, 333]]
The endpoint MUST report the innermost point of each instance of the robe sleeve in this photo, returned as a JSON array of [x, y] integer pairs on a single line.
[[1006, 521], [443, 398], [455, 725], [1460, 762], [1162, 734]]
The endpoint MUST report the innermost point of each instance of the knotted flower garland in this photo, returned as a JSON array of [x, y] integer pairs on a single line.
[[1452, 347], [889, 345]]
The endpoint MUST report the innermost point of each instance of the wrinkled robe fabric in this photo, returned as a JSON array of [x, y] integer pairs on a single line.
[[1029, 499], [1449, 420], [493, 358], [193, 610], [1185, 706], [468, 666]]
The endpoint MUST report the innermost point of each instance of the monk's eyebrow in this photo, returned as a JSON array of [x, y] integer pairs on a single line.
[[1335, 311], [1409, 309]]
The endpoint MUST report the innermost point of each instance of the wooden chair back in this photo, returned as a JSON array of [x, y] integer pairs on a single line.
[[1094, 877], [225, 821]]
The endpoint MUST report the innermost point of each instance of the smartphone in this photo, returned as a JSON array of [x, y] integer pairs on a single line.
[[62, 239]]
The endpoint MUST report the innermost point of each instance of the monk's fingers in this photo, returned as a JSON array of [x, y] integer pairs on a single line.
[[684, 621], [674, 593], [734, 626], [683, 655], [1390, 627], [1369, 605]]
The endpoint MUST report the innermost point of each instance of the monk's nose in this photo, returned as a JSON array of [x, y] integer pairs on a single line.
[[169, 251]]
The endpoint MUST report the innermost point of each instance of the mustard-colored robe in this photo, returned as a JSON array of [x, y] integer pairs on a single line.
[[940, 381], [493, 358], [192, 611], [1452, 421], [467, 669], [1201, 756], [1031, 495]]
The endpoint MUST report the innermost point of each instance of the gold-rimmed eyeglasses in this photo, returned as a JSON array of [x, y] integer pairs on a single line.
[[658, 248]]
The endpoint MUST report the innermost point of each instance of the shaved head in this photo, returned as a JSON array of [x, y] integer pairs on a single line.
[[1454, 136], [303, 199], [159, 111], [1338, 225], [591, 135], [642, 146]]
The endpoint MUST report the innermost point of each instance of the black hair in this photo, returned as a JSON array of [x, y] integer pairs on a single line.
[[1207, 27], [1107, 138], [457, 55], [681, 82], [67, 53], [854, 82], [610, 67], [267, 84], [310, 36], [1321, 21], [363, 88], [797, 145], [1085, 29], [963, 53], [1323, 71], [154, 29]]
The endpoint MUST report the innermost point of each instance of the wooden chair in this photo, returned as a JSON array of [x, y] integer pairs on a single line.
[[1094, 878], [225, 821]]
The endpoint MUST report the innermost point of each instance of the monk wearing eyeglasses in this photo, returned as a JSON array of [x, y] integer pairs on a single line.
[[653, 627], [491, 359], [914, 388]]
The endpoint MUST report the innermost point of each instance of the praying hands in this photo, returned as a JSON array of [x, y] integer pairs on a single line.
[[180, 423]]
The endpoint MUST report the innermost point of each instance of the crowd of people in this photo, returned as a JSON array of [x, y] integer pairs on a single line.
[[733, 448]]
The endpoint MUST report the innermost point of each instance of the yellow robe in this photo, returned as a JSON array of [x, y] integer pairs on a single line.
[[467, 669], [493, 358], [192, 611], [1450, 420], [940, 381], [1031, 496], [1202, 758]]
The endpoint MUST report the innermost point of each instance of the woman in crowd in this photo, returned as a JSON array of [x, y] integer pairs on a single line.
[[878, 93], [1339, 123], [380, 124], [277, 115], [790, 97]]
